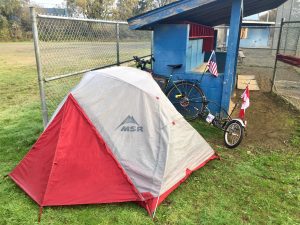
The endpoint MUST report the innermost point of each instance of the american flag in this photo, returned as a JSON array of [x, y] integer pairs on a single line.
[[212, 64]]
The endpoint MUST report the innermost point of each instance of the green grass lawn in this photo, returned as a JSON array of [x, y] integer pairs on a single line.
[[253, 184]]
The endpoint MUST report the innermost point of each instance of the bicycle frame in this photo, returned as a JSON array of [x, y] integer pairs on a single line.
[[169, 80], [233, 128]]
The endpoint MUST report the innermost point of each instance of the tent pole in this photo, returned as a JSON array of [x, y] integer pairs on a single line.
[[155, 207]]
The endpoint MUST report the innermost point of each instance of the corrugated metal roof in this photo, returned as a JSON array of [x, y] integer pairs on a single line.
[[207, 12]]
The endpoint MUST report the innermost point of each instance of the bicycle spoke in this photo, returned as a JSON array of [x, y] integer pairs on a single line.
[[195, 98], [175, 102], [177, 88], [187, 98], [191, 90], [195, 94], [234, 134], [196, 102]]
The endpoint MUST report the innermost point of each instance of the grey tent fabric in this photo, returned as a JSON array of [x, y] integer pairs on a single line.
[[149, 138]]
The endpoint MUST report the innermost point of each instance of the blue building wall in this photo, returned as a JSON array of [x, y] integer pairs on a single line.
[[212, 86], [258, 37], [194, 54], [171, 45]]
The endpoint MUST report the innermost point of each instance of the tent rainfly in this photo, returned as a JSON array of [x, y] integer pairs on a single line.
[[114, 138]]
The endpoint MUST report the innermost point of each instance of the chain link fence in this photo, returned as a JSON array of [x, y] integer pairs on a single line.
[[256, 55], [256, 44], [264, 45], [286, 74], [66, 48]]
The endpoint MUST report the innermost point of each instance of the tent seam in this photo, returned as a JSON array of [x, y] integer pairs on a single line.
[[107, 138], [107, 149], [55, 154], [162, 182], [159, 114]]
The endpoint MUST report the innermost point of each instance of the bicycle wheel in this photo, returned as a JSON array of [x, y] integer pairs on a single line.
[[233, 134], [187, 98]]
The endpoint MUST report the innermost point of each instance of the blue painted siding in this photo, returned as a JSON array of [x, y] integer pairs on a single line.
[[211, 86], [169, 47], [194, 54], [172, 46]]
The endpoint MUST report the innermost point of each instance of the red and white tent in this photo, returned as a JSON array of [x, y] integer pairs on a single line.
[[114, 138]]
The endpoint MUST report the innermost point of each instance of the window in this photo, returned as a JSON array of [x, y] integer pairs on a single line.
[[244, 33]]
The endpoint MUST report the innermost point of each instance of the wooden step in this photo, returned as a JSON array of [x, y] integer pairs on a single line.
[[243, 80]]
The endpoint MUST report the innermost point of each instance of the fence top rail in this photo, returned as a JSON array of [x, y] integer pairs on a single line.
[[88, 70], [295, 21], [79, 19]]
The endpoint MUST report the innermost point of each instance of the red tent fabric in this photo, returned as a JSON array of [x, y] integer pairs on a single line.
[[70, 164]]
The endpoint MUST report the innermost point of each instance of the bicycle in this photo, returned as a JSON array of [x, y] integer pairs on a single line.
[[191, 102]]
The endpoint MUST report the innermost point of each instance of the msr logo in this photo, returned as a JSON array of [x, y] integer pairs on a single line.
[[130, 125]]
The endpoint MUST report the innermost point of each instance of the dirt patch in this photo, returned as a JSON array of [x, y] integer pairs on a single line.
[[271, 120]]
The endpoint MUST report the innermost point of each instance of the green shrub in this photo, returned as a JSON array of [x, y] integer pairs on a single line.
[[4, 29]]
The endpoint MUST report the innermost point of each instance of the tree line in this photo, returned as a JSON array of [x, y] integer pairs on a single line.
[[15, 22], [111, 9]]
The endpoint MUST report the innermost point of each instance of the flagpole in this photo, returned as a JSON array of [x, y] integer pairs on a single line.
[[211, 55], [206, 66]]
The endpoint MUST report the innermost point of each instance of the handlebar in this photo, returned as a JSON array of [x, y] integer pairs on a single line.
[[142, 63]]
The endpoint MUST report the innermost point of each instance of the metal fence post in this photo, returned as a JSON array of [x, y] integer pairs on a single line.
[[277, 51], [39, 66], [118, 42]]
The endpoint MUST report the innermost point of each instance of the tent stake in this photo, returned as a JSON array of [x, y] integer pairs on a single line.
[[40, 214]]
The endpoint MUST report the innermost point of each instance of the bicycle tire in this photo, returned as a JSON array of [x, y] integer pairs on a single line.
[[227, 131], [191, 103]]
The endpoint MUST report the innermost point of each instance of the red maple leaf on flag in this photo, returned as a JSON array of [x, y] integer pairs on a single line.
[[246, 102]]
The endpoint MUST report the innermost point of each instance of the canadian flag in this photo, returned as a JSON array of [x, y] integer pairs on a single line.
[[246, 102]]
